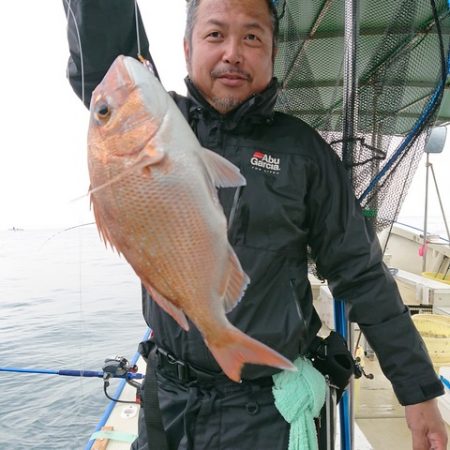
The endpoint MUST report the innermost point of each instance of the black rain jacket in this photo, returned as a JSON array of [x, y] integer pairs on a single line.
[[297, 195]]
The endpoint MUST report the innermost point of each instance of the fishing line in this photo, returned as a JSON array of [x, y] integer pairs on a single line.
[[142, 160], [82, 354], [54, 235], [137, 28], [83, 97], [148, 62], [72, 14]]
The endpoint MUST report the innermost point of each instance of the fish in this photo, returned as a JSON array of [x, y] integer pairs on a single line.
[[154, 196]]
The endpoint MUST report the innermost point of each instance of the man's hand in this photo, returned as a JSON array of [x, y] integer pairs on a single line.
[[426, 425]]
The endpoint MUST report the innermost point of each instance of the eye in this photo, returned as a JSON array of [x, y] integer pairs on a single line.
[[102, 112], [214, 35], [253, 39]]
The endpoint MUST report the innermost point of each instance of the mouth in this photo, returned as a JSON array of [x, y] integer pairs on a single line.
[[232, 79], [233, 76]]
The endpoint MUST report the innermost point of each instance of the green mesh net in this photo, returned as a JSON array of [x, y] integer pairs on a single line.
[[401, 68]]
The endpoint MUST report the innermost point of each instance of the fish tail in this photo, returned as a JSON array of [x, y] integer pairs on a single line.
[[236, 348]]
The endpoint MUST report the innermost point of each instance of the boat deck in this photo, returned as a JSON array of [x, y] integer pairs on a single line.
[[378, 413], [379, 416]]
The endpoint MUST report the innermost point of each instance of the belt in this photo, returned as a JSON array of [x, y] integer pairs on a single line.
[[184, 372]]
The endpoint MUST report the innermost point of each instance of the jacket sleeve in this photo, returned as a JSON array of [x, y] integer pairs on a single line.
[[98, 31], [348, 255]]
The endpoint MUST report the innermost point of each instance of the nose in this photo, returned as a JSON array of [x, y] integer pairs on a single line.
[[232, 53]]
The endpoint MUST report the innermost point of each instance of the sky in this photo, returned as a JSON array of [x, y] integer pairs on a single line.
[[44, 125]]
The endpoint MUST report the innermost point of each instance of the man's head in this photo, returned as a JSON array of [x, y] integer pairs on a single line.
[[229, 48]]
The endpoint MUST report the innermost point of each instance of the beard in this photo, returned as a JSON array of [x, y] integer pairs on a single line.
[[224, 104]]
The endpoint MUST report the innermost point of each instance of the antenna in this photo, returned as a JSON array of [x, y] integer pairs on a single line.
[[435, 144]]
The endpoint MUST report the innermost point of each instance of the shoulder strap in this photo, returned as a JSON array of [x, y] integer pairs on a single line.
[[152, 415]]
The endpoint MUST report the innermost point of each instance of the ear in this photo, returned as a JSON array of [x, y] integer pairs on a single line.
[[187, 51], [274, 53]]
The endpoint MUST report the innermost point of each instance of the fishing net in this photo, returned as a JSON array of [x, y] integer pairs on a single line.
[[401, 68]]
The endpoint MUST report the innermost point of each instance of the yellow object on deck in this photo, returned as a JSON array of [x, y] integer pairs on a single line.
[[436, 276], [435, 331]]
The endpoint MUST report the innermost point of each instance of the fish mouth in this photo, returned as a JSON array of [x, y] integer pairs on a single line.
[[151, 92], [126, 75]]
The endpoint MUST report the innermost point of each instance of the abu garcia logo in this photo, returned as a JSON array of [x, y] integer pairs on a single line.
[[264, 162]]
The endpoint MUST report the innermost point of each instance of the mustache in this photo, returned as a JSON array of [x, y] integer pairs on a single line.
[[217, 73]]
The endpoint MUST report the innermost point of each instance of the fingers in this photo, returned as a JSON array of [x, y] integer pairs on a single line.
[[438, 441], [427, 426], [434, 441], [420, 441]]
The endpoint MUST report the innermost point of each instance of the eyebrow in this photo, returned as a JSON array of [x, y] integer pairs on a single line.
[[250, 25]]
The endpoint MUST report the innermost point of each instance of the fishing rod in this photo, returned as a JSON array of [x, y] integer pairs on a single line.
[[117, 367]]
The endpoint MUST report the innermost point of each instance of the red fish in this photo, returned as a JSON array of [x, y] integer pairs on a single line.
[[153, 191]]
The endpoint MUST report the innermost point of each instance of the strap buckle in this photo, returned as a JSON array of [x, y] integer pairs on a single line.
[[181, 369]]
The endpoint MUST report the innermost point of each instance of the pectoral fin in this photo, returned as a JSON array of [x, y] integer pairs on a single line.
[[151, 155], [223, 173]]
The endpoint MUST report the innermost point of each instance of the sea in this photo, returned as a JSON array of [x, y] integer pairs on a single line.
[[66, 302]]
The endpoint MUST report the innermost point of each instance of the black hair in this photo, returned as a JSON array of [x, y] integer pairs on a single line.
[[191, 16]]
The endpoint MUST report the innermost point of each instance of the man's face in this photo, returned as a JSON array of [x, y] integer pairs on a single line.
[[230, 56]]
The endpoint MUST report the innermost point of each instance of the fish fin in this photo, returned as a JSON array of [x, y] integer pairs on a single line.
[[236, 348], [105, 235], [223, 173], [237, 282], [151, 155], [147, 157], [176, 313]]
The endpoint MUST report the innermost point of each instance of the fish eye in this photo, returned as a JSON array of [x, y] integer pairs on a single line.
[[102, 112]]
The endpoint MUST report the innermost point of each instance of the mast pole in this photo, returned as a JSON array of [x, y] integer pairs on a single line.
[[425, 224], [349, 130], [350, 83]]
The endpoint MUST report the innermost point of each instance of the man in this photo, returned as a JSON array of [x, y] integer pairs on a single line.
[[301, 198]]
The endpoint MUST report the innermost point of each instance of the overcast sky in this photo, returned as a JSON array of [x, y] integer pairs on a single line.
[[44, 125]]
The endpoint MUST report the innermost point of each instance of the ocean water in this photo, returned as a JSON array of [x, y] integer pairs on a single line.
[[435, 224], [66, 302]]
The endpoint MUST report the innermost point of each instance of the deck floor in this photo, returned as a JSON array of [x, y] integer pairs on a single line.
[[378, 413], [379, 416]]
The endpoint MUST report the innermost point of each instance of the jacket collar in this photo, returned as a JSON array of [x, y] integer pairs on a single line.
[[258, 108]]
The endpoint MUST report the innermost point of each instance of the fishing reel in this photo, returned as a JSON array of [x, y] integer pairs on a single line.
[[118, 367], [359, 370]]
